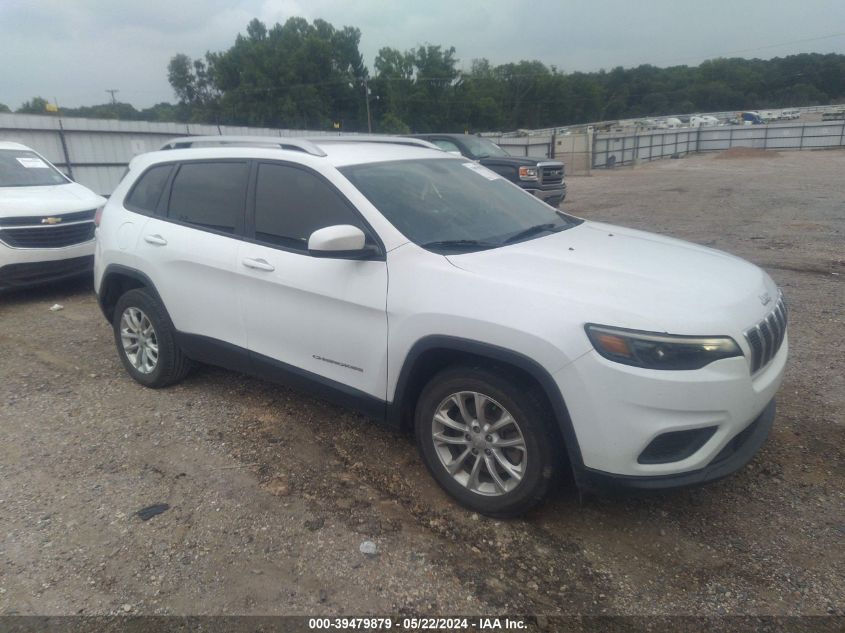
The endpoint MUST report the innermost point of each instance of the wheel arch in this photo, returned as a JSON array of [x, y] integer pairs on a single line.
[[431, 354], [116, 281]]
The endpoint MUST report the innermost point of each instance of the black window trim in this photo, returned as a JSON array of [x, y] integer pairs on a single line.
[[165, 188], [249, 232], [164, 203]]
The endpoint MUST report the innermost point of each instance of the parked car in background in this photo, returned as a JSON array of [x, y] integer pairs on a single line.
[[543, 178], [46, 220], [515, 340], [748, 118], [703, 120]]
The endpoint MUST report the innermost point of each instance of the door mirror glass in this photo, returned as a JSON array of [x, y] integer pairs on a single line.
[[341, 241]]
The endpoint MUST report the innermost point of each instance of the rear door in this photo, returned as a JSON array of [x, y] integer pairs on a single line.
[[189, 248], [326, 317]]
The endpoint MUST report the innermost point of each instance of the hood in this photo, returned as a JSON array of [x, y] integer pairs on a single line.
[[517, 161], [627, 278], [47, 200]]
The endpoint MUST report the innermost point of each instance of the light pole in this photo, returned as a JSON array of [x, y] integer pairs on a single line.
[[367, 100]]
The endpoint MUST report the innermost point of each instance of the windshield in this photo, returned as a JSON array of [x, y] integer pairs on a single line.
[[482, 148], [22, 168], [449, 205]]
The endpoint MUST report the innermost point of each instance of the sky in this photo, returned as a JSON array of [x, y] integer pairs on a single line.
[[75, 50]]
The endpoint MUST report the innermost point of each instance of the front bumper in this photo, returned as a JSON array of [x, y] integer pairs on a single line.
[[550, 196], [736, 453], [617, 411], [20, 268]]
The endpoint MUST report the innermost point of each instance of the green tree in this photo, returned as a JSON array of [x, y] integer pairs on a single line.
[[297, 74], [304, 74], [36, 105]]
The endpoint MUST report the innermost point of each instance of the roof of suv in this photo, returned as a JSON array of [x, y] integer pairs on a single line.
[[333, 150]]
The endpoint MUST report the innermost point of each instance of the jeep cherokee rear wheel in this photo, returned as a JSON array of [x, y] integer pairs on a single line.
[[145, 341], [485, 440]]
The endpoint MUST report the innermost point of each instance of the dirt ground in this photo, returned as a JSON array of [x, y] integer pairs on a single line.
[[271, 493]]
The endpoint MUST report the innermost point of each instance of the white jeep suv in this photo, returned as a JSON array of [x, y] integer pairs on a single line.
[[46, 220], [432, 294]]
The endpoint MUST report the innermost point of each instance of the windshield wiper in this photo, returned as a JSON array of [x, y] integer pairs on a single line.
[[533, 230], [459, 244]]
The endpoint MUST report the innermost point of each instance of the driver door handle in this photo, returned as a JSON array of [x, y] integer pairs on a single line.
[[258, 264], [156, 239]]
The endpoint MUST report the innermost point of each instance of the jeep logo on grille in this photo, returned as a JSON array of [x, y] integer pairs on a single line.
[[52, 220]]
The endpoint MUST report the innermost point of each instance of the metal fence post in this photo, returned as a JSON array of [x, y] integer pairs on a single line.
[[842, 133], [801, 142], [64, 150], [698, 140]]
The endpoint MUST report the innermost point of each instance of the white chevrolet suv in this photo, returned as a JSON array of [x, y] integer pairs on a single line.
[[46, 220], [432, 294]]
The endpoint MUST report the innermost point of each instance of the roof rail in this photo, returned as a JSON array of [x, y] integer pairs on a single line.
[[282, 142]]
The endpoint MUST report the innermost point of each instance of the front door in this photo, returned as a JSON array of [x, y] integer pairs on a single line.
[[323, 318]]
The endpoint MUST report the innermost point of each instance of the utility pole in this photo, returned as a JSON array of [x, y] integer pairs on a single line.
[[112, 93], [367, 100]]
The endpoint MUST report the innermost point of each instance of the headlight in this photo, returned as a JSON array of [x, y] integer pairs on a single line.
[[652, 350], [528, 173]]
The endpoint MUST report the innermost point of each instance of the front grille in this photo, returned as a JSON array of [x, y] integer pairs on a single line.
[[551, 175], [55, 236], [42, 220], [766, 337]]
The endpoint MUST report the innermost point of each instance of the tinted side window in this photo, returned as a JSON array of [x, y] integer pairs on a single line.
[[210, 195], [292, 203], [147, 191]]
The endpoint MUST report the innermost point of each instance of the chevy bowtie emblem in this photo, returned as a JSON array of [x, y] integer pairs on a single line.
[[765, 298], [52, 220]]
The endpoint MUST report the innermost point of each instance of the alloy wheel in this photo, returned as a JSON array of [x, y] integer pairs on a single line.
[[479, 443], [140, 343]]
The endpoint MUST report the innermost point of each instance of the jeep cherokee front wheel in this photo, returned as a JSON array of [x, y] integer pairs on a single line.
[[485, 440]]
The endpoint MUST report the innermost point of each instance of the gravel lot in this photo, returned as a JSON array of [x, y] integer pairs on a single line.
[[271, 493]]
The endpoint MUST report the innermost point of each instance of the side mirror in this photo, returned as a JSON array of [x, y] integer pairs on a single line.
[[342, 241]]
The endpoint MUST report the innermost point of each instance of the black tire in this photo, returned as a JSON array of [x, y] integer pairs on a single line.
[[533, 421], [172, 365]]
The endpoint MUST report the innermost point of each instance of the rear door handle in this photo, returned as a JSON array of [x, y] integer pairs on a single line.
[[156, 239], [258, 264]]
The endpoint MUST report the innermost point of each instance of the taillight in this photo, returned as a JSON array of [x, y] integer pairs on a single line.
[[98, 216]]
